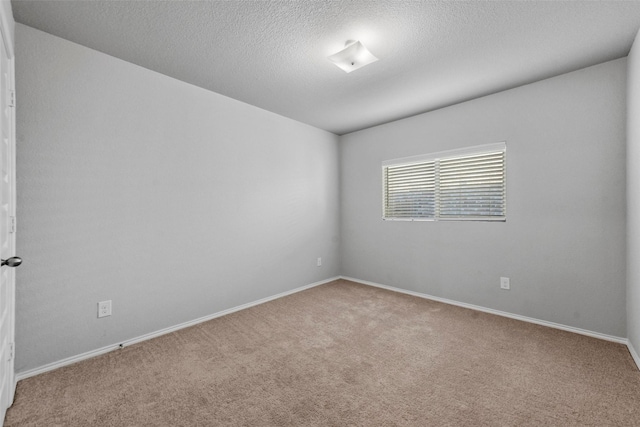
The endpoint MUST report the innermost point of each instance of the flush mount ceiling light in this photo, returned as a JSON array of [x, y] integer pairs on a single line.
[[353, 56]]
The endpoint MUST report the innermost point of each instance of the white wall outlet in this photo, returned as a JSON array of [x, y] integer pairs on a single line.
[[319, 263], [104, 308], [504, 283]]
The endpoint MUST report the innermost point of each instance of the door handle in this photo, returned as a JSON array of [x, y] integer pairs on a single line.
[[11, 262]]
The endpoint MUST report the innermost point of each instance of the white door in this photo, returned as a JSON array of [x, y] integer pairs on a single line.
[[7, 229]]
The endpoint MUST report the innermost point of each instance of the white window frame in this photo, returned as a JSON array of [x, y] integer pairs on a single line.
[[437, 158]]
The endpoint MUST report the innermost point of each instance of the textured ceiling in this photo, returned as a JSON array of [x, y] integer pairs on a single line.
[[273, 54]]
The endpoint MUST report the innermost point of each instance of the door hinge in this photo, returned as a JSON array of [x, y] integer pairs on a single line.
[[11, 350], [12, 98], [12, 224]]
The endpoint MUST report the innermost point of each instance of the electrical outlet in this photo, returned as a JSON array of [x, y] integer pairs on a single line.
[[319, 263], [504, 283], [104, 308]]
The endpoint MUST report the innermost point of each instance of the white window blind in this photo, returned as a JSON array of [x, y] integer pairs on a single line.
[[410, 190], [468, 184]]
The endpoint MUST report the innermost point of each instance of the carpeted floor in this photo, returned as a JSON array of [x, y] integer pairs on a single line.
[[344, 354]]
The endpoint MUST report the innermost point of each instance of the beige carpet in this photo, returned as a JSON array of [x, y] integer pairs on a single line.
[[345, 354]]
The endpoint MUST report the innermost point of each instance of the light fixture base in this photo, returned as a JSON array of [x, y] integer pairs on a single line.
[[352, 57]]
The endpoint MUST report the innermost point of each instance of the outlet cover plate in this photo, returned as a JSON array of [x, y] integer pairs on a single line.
[[104, 308], [504, 283]]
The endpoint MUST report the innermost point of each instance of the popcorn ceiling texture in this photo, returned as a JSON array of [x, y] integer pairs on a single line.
[[273, 54]]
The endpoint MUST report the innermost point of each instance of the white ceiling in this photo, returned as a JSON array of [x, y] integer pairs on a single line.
[[273, 54]]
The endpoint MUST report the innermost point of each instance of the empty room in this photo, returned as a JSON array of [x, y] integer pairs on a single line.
[[320, 213]]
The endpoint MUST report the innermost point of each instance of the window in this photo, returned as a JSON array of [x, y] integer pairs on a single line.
[[462, 185]]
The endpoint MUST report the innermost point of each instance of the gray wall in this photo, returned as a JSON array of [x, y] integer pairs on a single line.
[[633, 196], [563, 244], [172, 201], [176, 202]]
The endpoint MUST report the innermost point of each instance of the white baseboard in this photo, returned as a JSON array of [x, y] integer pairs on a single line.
[[93, 353], [497, 312], [634, 354]]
